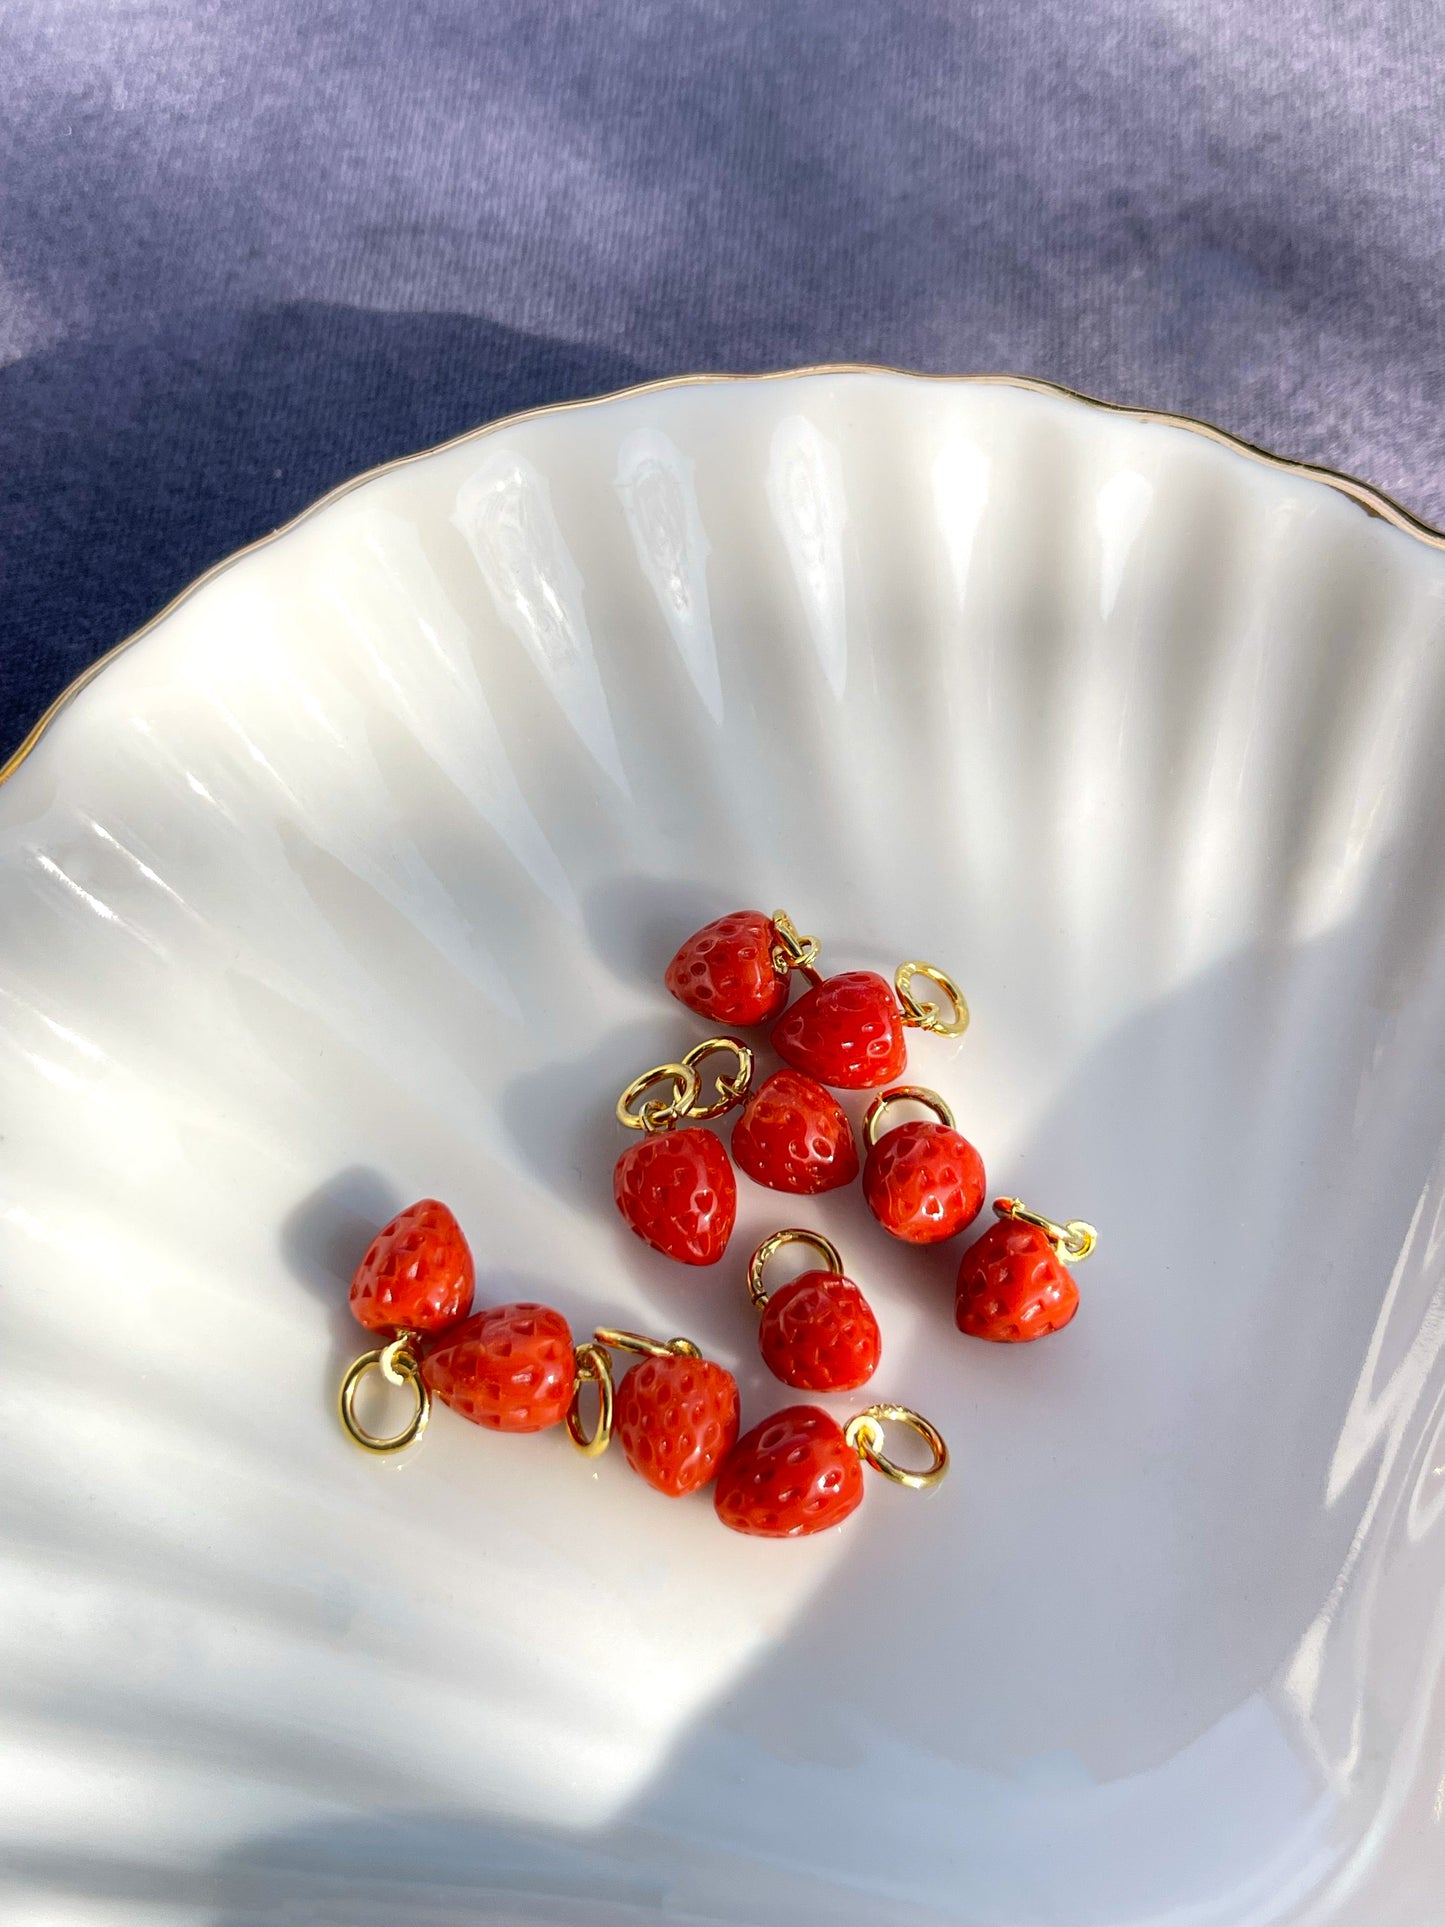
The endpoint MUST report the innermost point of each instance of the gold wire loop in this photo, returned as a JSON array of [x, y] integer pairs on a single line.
[[865, 1434], [398, 1363], [903, 1094], [659, 1114], [927, 1015], [398, 1360], [594, 1367], [793, 952], [730, 1090], [1072, 1242], [758, 1263], [621, 1341]]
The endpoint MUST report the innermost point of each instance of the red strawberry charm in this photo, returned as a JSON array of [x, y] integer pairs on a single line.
[[1013, 1285], [924, 1181], [795, 1136], [736, 970], [818, 1332], [794, 1474], [847, 1032], [676, 1413], [678, 1193], [511, 1368], [800, 1472], [676, 1189], [417, 1274]]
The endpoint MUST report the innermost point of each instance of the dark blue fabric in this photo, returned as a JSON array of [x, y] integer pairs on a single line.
[[248, 247]]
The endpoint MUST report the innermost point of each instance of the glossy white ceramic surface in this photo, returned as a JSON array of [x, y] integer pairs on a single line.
[[354, 879]]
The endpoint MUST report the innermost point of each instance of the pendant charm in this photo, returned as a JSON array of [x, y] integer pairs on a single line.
[[800, 1472], [511, 1368], [818, 1332], [417, 1274], [675, 1414], [924, 1181], [848, 1030], [738, 969], [676, 1189], [1013, 1283], [795, 1136]]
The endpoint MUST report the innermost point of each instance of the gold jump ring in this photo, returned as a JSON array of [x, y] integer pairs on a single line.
[[1073, 1241], [622, 1341], [903, 1094], [593, 1367], [398, 1363], [658, 1113], [730, 1090], [758, 1263], [794, 952], [925, 1015], [865, 1434]]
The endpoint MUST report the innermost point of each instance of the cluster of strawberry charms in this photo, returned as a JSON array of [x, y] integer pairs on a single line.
[[517, 1368], [675, 1414], [922, 1179]]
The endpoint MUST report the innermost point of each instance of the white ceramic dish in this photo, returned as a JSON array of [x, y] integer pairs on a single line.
[[353, 880]]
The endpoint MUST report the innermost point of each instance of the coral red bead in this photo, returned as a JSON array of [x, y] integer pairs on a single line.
[[417, 1274], [676, 1418], [677, 1191], [725, 971], [819, 1334], [924, 1182], [1012, 1286], [511, 1368], [792, 1475], [794, 1136], [848, 1032]]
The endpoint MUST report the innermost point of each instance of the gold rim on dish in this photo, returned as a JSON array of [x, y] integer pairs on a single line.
[[1363, 494]]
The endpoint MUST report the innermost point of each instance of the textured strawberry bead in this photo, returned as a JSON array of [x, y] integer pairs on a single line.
[[511, 1368], [793, 1474], [675, 1419], [819, 1334], [847, 1032], [725, 971], [923, 1182], [795, 1136], [677, 1191], [1012, 1287], [417, 1274]]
